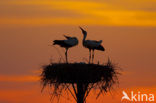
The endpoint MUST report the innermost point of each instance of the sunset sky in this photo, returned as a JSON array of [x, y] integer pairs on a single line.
[[28, 27]]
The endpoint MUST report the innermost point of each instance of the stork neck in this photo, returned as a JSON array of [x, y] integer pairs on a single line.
[[84, 37]]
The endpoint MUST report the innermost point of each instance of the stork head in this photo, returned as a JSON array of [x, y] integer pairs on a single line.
[[83, 31]]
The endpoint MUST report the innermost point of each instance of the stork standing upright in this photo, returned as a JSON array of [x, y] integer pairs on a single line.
[[68, 43], [91, 44]]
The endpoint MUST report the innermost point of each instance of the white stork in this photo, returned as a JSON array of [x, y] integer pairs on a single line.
[[68, 43], [91, 44]]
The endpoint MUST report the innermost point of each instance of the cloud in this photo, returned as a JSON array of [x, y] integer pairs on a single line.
[[9, 78], [30, 95], [1, 101], [85, 12], [34, 95]]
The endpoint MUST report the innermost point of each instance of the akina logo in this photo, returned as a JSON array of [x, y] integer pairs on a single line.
[[140, 97]]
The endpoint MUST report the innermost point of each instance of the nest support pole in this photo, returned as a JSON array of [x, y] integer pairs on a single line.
[[81, 90]]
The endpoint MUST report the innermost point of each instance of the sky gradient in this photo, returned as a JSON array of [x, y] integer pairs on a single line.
[[28, 27]]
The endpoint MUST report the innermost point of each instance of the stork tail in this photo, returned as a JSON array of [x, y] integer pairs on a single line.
[[100, 47]]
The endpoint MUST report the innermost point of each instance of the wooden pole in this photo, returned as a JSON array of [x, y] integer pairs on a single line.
[[80, 93]]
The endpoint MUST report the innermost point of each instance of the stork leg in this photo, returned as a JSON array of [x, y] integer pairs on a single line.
[[66, 54], [93, 56], [89, 55]]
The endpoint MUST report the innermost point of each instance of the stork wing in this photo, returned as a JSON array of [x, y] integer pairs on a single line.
[[98, 42], [71, 42], [83, 31], [92, 43], [68, 37]]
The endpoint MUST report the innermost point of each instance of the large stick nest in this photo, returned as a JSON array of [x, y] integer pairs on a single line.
[[62, 75], [77, 72]]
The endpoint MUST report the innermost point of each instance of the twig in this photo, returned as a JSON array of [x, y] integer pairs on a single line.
[[58, 52]]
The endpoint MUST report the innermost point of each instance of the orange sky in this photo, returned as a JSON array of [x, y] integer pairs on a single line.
[[27, 27]]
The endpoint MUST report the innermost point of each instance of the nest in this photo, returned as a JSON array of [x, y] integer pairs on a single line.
[[63, 75], [77, 72]]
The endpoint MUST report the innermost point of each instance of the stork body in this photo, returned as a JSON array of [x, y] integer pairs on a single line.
[[91, 45], [68, 43]]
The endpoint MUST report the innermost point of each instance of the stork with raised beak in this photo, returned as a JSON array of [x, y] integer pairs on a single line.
[[91, 45]]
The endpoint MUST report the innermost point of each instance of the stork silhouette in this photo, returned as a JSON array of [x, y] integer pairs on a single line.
[[68, 43], [91, 44]]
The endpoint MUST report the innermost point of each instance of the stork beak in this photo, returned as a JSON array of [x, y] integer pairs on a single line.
[[81, 28]]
